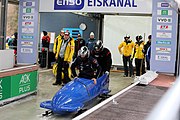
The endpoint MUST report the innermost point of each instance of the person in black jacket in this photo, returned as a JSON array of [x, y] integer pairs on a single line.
[[78, 44], [103, 56], [146, 46], [14, 42], [88, 66]]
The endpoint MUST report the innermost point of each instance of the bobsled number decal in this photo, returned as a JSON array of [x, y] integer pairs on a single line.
[[68, 4]]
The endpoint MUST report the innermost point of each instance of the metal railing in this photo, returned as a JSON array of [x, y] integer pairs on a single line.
[[168, 108]]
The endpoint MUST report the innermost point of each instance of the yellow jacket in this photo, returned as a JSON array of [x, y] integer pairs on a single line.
[[58, 38], [138, 49], [127, 48], [69, 52]]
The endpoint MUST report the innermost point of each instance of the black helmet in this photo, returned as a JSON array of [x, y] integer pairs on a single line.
[[45, 33], [140, 37], [84, 52], [149, 37], [98, 46], [127, 36]]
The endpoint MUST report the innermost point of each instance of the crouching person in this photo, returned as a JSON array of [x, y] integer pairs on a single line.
[[87, 66]]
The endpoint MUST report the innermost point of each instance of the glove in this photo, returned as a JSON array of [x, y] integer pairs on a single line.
[[107, 72]]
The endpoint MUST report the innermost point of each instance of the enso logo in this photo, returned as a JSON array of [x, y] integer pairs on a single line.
[[68, 4]]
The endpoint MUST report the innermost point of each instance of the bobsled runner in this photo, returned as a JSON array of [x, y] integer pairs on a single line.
[[75, 94]]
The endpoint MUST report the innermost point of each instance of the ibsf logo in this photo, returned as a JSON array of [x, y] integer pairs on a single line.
[[68, 4]]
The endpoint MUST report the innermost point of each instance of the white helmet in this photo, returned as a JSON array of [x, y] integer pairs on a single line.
[[84, 52]]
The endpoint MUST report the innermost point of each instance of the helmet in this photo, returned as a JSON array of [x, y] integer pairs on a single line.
[[127, 36], [84, 52], [140, 37], [149, 37], [98, 46]]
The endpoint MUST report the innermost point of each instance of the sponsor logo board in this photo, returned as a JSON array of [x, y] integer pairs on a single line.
[[163, 50], [163, 58], [163, 35], [164, 27], [163, 42], [28, 10], [26, 50], [163, 5], [26, 43], [68, 4], [27, 17], [27, 30], [29, 4], [164, 12], [27, 37], [28, 23], [164, 20]]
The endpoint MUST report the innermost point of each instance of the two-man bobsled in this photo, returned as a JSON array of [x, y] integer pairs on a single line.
[[75, 94]]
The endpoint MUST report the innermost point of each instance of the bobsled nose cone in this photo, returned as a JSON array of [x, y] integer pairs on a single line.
[[57, 109]]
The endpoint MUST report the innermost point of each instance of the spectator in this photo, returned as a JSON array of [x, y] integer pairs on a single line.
[[146, 46], [45, 51], [64, 55], [58, 38], [148, 57], [45, 40], [139, 56], [86, 65], [78, 44], [14, 42], [91, 41], [126, 49]]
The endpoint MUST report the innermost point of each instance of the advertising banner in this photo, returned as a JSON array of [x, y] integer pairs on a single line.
[[164, 36], [19, 84], [27, 48], [5, 88], [23, 83], [98, 6]]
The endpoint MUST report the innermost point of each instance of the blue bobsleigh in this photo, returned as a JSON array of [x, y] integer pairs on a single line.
[[75, 94]]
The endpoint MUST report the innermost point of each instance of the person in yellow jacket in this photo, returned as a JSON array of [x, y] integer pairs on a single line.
[[126, 48], [139, 56], [58, 38], [64, 55]]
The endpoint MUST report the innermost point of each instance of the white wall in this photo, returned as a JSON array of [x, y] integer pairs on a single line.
[[116, 27], [6, 59]]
